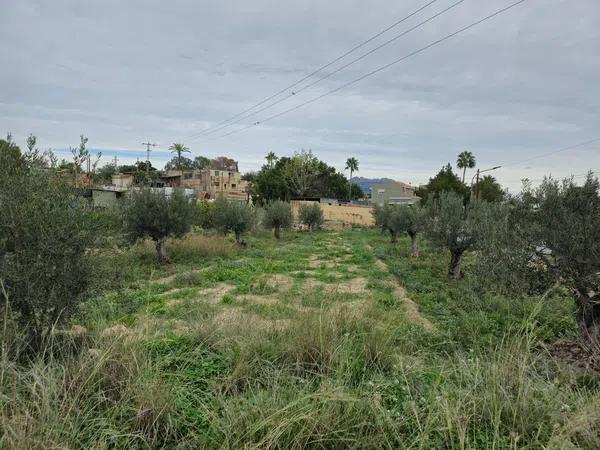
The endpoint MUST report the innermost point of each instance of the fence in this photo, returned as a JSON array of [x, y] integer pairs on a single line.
[[344, 214]]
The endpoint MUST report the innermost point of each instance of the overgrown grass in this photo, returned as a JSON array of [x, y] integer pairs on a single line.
[[159, 360]]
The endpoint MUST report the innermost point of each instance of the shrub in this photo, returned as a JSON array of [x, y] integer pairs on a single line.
[[311, 216], [278, 215], [204, 215], [233, 217], [45, 230], [151, 214]]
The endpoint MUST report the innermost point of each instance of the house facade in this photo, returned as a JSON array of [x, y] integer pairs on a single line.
[[393, 193], [222, 178]]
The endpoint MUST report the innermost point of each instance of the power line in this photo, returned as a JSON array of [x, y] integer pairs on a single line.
[[287, 88], [571, 147], [339, 69], [580, 175], [373, 72]]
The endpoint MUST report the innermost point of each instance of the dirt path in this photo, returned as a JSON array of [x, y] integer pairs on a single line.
[[410, 307]]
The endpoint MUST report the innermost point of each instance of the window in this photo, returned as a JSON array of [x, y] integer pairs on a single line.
[[216, 173], [233, 185], [187, 176], [216, 183]]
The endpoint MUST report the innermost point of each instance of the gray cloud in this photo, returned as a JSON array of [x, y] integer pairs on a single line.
[[520, 85]]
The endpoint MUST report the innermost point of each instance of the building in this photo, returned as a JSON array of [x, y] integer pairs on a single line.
[[222, 178], [122, 180], [393, 193], [108, 196]]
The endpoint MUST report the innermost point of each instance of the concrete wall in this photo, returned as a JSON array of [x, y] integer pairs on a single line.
[[344, 214]]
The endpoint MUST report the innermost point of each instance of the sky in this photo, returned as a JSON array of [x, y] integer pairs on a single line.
[[512, 90]]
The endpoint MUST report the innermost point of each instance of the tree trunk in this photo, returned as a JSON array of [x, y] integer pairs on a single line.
[[464, 173], [587, 313], [454, 272], [350, 188], [238, 237], [414, 249], [394, 236], [161, 250], [276, 232]]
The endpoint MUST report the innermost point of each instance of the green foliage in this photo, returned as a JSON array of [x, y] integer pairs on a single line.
[[547, 236], [278, 215], [569, 225], [177, 163], [233, 217], [311, 215], [381, 215], [356, 192], [302, 175], [445, 181], [398, 219], [149, 213], [201, 162], [204, 215], [45, 233], [456, 227], [488, 189], [465, 161], [104, 174]]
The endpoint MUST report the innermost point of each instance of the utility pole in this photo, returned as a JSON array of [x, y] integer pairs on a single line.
[[148, 145], [477, 176]]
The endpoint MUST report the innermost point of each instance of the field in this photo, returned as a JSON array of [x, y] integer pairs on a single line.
[[320, 340]]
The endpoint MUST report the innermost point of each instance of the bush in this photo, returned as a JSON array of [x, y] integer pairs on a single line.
[[204, 215], [311, 216], [151, 214], [233, 217], [278, 215], [45, 231]]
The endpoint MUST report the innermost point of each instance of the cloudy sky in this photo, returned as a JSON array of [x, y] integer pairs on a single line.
[[521, 85]]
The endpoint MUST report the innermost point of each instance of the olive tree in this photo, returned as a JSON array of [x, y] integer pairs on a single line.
[[380, 215], [233, 217], [311, 215], [150, 213], [398, 219], [45, 232], [456, 227], [411, 222], [278, 215], [569, 225]]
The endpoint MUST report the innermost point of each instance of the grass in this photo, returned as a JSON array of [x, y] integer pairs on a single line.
[[263, 348]]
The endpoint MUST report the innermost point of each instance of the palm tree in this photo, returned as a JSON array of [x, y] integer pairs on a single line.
[[352, 166], [271, 158], [465, 161], [179, 149]]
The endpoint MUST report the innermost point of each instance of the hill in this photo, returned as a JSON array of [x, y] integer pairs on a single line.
[[366, 183]]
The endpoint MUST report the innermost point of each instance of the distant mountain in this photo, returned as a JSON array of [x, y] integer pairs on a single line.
[[366, 183]]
